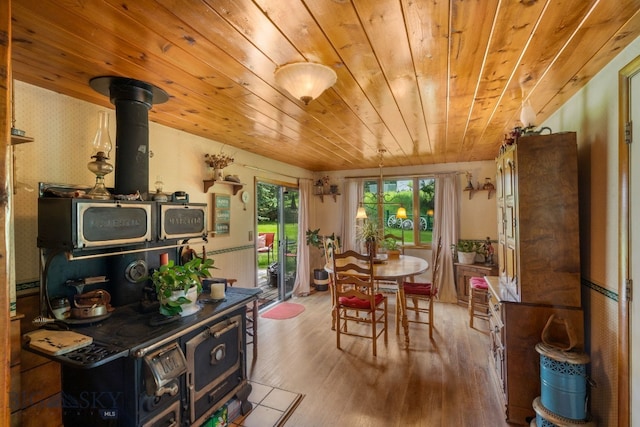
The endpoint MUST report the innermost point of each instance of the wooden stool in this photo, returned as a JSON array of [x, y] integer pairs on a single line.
[[478, 305]]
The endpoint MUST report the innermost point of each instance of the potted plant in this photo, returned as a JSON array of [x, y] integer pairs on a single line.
[[466, 251], [178, 286], [216, 163], [369, 234], [320, 275], [391, 247]]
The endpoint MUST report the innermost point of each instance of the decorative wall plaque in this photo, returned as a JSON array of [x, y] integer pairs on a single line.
[[221, 214]]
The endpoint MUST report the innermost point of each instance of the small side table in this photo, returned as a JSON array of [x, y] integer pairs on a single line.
[[463, 272]]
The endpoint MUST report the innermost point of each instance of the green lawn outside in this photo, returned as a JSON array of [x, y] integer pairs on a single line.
[[425, 236], [272, 227], [291, 230]]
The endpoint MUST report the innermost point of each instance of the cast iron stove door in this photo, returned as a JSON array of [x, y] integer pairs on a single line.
[[215, 366]]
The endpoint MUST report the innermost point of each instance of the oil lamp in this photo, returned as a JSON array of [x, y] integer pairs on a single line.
[[99, 166]]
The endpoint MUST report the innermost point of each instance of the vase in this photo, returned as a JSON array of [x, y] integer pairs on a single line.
[[466, 257], [393, 254], [218, 175], [187, 308], [371, 247]]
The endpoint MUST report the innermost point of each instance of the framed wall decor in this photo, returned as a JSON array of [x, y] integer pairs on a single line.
[[221, 214]]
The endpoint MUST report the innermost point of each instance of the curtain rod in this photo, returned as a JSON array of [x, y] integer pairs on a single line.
[[408, 176], [268, 171], [351, 177]]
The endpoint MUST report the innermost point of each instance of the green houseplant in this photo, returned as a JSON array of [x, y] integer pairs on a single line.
[[369, 233], [466, 250], [178, 286], [314, 239], [320, 275], [391, 246]]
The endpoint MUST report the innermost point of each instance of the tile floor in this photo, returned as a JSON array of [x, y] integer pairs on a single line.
[[271, 406]]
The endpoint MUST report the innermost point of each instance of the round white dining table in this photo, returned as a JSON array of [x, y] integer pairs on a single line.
[[397, 270]]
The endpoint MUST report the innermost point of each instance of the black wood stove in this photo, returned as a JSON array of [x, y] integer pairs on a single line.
[[142, 370]]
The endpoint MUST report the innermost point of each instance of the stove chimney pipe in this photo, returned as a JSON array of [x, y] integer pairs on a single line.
[[133, 100]]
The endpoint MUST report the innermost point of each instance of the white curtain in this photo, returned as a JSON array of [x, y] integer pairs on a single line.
[[446, 229], [301, 286], [352, 189]]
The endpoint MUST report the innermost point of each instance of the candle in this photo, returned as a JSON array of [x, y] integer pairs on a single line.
[[164, 259], [217, 290]]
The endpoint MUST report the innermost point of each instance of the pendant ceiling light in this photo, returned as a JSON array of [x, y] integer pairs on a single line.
[[305, 80]]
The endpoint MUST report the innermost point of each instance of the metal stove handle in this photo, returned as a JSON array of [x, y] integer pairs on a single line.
[[221, 332]]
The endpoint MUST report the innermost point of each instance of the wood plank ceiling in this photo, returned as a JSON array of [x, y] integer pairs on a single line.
[[428, 81]]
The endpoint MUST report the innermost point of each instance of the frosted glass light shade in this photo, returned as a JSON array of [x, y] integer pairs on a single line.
[[361, 213], [305, 80]]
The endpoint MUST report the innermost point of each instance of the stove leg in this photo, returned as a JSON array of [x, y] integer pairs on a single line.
[[242, 395]]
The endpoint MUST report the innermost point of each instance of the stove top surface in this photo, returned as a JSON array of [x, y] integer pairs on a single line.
[[130, 332]]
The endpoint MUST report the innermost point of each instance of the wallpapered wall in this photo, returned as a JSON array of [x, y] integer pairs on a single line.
[[63, 129]]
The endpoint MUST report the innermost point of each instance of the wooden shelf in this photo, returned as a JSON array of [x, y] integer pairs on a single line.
[[328, 194], [471, 191], [17, 139], [235, 186]]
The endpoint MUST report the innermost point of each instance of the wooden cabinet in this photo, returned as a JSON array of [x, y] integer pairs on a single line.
[[538, 240], [538, 262], [514, 330], [463, 272]]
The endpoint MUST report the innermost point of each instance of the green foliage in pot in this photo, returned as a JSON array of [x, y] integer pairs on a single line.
[[313, 238], [368, 231], [390, 244], [171, 277], [466, 246]]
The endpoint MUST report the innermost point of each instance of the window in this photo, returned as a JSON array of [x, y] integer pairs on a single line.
[[414, 194]]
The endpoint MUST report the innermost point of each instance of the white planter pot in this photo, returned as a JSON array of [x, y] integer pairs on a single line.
[[466, 257], [189, 308]]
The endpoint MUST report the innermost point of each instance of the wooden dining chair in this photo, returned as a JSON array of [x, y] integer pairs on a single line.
[[417, 293], [331, 246], [356, 301]]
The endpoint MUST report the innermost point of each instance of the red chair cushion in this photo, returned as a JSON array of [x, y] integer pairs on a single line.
[[412, 288], [478, 283], [359, 303]]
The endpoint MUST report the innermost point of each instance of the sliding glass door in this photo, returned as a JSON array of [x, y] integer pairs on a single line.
[[277, 213], [289, 238]]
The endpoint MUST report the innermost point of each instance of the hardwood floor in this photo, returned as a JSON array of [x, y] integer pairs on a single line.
[[444, 382]]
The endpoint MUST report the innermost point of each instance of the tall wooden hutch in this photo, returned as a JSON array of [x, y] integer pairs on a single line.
[[539, 261]]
